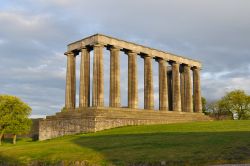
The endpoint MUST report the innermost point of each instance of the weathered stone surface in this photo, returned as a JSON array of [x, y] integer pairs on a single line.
[[188, 104], [163, 85], [170, 90], [91, 119], [98, 77], [148, 84], [182, 89], [132, 80], [197, 90], [84, 93], [107, 40], [176, 93], [70, 81], [114, 99]]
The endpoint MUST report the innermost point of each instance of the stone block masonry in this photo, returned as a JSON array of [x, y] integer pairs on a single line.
[[96, 119]]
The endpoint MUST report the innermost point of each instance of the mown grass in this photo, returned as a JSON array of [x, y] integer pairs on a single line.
[[197, 143]]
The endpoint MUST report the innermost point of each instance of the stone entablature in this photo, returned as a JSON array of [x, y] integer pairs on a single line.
[[125, 45]]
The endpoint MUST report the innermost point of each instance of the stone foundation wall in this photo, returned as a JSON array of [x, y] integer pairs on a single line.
[[97, 119]]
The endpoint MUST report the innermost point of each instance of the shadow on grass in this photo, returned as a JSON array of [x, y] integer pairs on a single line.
[[173, 148], [9, 161], [18, 140]]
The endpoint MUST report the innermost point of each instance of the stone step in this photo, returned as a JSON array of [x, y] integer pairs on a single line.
[[92, 120]]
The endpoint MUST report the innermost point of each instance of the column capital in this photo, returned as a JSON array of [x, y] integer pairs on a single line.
[[70, 53], [146, 56], [85, 48], [159, 59], [174, 62], [195, 68], [98, 45], [131, 52], [187, 65], [112, 47]]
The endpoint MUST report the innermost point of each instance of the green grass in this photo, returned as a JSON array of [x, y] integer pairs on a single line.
[[198, 143]]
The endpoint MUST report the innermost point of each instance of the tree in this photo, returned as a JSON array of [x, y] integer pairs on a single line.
[[13, 116], [63, 109], [214, 109], [238, 102], [204, 105]]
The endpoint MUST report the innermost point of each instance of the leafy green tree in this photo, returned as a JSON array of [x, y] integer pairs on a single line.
[[215, 110], [236, 101], [13, 116], [204, 105], [63, 109]]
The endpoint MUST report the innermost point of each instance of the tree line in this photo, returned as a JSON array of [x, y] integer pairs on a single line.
[[234, 105]]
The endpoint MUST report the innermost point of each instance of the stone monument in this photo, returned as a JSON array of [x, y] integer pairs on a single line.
[[179, 89]]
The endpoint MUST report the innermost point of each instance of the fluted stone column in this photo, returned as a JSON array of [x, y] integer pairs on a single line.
[[70, 94], [98, 78], [114, 93], [132, 80], [182, 82], [197, 90], [170, 89], [176, 87], [163, 85], [188, 89], [84, 93], [148, 83]]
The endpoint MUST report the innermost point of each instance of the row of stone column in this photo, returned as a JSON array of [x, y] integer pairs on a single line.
[[179, 83]]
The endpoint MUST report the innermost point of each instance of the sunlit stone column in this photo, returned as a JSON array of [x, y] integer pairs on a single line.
[[98, 80], [132, 80], [84, 93], [114, 100], [188, 89], [163, 85], [176, 87], [148, 83], [70, 94], [197, 90]]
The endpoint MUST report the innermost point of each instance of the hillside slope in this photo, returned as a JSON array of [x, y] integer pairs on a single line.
[[197, 143]]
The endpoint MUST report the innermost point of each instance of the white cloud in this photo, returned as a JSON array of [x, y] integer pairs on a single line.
[[216, 86], [37, 116]]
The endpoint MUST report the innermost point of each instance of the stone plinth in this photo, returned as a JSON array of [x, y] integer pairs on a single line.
[[86, 120]]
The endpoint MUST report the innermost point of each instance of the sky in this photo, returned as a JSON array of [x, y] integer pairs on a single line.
[[34, 36]]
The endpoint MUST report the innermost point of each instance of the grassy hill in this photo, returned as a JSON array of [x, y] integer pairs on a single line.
[[197, 143]]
